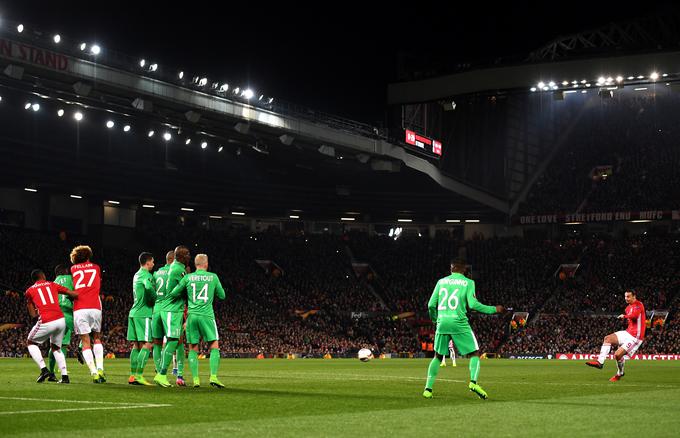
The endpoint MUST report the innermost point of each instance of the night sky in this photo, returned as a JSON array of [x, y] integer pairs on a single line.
[[340, 61]]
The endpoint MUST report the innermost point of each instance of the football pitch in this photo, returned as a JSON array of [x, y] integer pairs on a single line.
[[349, 398]]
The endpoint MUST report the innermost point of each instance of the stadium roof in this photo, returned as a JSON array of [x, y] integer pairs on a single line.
[[631, 48]]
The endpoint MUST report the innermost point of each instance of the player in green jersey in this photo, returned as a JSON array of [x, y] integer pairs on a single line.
[[171, 313], [448, 309], [63, 278], [179, 357], [160, 278], [199, 289], [139, 319]]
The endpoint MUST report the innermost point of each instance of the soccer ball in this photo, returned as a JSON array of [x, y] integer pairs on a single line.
[[365, 355]]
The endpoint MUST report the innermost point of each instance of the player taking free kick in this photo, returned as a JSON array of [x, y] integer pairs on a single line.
[[628, 340]]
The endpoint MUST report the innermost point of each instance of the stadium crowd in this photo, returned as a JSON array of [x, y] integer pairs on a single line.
[[273, 311], [637, 137], [309, 300]]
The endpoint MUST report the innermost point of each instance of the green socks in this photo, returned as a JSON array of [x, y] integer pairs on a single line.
[[193, 363], [180, 359], [474, 368], [157, 356], [168, 350], [52, 362], [432, 372], [214, 361], [134, 353], [141, 360]]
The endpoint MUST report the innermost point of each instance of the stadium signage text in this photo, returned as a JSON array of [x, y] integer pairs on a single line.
[[424, 143], [580, 356], [527, 357], [609, 216], [33, 55]]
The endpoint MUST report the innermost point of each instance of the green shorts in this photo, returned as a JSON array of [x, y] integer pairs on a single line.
[[168, 324], [201, 327], [69, 330], [139, 329], [465, 342]]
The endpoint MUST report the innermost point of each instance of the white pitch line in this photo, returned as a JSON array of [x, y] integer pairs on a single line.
[[361, 377], [101, 408], [117, 405], [66, 401]]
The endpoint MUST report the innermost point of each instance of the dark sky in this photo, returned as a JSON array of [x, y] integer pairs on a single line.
[[333, 56]]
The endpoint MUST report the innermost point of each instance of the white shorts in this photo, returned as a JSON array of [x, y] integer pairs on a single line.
[[86, 321], [628, 342], [53, 330]]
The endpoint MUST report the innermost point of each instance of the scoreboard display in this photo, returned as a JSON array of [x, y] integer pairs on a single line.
[[423, 144]]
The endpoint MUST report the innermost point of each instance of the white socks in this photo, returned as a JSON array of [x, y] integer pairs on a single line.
[[89, 360], [619, 365], [604, 351], [98, 350], [61, 361], [34, 350]]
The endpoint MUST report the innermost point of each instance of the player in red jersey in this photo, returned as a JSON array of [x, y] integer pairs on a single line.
[[43, 302], [87, 309], [628, 341]]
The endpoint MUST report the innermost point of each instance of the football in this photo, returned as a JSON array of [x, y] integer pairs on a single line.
[[365, 355]]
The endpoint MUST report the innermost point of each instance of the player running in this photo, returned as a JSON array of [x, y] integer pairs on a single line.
[[63, 278], [139, 319], [448, 305], [170, 317], [628, 340], [87, 309], [200, 289], [43, 302]]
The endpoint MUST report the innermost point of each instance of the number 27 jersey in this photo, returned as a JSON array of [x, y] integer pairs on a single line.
[[87, 282]]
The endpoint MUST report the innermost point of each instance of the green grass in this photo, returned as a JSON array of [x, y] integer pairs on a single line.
[[348, 397]]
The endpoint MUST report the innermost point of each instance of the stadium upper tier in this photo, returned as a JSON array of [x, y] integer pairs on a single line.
[[85, 81], [622, 155]]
